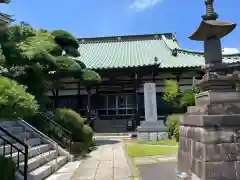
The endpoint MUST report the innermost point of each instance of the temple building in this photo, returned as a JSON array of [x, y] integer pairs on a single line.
[[125, 63]]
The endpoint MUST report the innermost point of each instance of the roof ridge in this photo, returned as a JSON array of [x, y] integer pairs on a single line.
[[202, 53], [125, 38]]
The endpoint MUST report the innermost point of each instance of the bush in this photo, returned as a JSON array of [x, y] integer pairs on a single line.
[[7, 167], [15, 101], [90, 77], [73, 122], [65, 38], [188, 97], [176, 133], [173, 121], [171, 92]]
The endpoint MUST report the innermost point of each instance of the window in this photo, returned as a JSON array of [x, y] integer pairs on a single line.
[[122, 100], [116, 104], [111, 102]]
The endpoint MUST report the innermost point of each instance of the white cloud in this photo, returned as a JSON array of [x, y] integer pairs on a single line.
[[141, 5]]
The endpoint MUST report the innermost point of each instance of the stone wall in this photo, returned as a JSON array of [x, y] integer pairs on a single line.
[[209, 145]]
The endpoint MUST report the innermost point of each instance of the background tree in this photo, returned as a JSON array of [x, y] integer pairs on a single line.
[[15, 101], [29, 56], [171, 93]]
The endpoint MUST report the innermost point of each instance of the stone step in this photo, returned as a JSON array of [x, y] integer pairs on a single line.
[[13, 130], [5, 123], [47, 169], [22, 136], [66, 172], [39, 160], [34, 151], [9, 148]]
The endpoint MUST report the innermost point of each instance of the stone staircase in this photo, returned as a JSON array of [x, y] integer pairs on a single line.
[[111, 125], [46, 160]]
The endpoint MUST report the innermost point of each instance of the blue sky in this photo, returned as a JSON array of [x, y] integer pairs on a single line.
[[90, 18]]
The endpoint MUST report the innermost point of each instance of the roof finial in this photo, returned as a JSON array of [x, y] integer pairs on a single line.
[[210, 14]]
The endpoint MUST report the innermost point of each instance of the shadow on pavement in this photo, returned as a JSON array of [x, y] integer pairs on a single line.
[[106, 142]]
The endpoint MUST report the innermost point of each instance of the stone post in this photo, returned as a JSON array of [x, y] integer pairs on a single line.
[[151, 129], [209, 145]]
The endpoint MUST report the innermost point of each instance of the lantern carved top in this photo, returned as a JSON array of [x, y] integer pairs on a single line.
[[210, 26]]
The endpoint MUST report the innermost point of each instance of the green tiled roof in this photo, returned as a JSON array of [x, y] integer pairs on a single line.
[[139, 51]]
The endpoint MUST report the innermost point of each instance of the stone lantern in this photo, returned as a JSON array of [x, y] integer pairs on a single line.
[[210, 131]]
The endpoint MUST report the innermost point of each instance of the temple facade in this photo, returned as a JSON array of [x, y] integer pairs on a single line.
[[125, 63]]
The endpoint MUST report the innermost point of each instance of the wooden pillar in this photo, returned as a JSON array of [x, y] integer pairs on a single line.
[[137, 118], [89, 109], [97, 100], [79, 96]]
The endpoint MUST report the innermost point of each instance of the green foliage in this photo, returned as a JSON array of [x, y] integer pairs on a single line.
[[171, 92], [176, 133], [90, 77], [66, 63], [188, 98], [7, 169], [71, 51], [73, 122], [173, 121], [82, 65], [14, 100], [65, 39], [29, 55]]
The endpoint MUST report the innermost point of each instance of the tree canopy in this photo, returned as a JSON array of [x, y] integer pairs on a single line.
[[14, 100], [28, 55]]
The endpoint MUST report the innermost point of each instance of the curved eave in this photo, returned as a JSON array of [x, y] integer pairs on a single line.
[[155, 65], [212, 28]]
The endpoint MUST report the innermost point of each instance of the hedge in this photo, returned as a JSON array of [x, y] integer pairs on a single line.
[[7, 169], [173, 123]]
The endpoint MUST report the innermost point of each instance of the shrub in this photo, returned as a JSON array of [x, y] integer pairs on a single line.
[[65, 38], [90, 77], [176, 132], [15, 101], [172, 122], [188, 97], [171, 92], [73, 122], [87, 134], [7, 167]]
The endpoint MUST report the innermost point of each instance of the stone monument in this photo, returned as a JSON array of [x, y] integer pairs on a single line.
[[209, 147], [151, 129]]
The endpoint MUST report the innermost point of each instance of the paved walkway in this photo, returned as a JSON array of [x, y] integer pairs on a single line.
[[155, 159], [159, 171], [108, 162]]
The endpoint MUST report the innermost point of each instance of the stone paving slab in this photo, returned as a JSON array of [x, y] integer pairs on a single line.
[[159, 171], [107, 162], [154, 159]]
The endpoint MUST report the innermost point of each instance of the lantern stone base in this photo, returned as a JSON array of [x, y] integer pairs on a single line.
[[209, 145]]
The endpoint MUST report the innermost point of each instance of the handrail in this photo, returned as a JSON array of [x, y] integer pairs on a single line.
[[55, 123], [67, 133], [19, 150], [13, 137]]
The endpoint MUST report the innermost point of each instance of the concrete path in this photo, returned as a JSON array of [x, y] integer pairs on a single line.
[[107, 162], [159, 171], [155, 159]]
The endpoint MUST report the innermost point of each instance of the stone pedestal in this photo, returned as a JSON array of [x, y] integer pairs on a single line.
[[151, 129], [209, 145]]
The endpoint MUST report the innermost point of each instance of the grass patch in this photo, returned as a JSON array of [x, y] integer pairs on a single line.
[[170, 142], [139, 150]]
